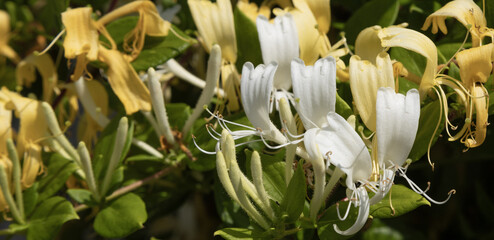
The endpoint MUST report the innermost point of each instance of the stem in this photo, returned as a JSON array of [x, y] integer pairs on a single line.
[[131, 187], [16, 175]]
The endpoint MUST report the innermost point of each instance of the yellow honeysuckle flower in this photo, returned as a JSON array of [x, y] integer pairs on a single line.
[[32, 166], [466, 12], [368, 44], [81, 34], [125, 82], [5, 49], [475, 64], [365, 79], [480, 104], [252, 11], [26, 73], [215, 24], [397, 36], [7, 164], [322, 12], [5, 121]]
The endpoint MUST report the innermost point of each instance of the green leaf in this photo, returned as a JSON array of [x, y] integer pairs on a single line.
[[404, 200], [178, 113], [58, 171], [429, 117], [325, 228], [489, 13], [30, 197], [80, 195], [342, 107], [447, 50], [156, 50], [49, 217], [380, 231], [406, 85], [294, 200], [413, 62], [375, 12], [51, 9], [249, 48], [121, 217], [239, 233], [229, 211]]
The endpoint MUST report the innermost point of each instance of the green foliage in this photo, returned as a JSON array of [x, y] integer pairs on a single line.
[[294, 199], [375, 12], [429, 117], [413, 62], [239, 233], [121, 217], [325, 228], [82, 196], [249, 48], [58, 171], [50, 12], [403, 199], [49, 217]]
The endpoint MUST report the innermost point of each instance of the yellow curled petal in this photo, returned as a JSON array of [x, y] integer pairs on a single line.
[[26, 73], [32, 165], [125, 82], [365, 79], [475, 64], [231, 82], [33, 126], [480, 101], [5, 49], [412, 40], [81, 33], [214, 22], [368, 44], [465, 11], [7, 165]]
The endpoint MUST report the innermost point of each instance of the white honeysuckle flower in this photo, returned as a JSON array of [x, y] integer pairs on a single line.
[[341, 146], [315, 89], [397, 121], [279, 43]]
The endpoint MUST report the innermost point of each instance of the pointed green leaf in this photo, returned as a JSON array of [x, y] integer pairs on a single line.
[[294, 200], [404, 200], [429, 117], [249, 48], [239, 233], [80, 195], [121, 217], [57, 172]]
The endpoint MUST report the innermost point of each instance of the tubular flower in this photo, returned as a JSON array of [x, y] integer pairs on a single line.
[[32, 165], [279, 43], [82, 34], [214, 22], [252, 11], [368, 44], [5, 121], [475, 68], [466, 12], [314, 88], [7, 165], [5, 49], [125, 82], [26, 73], [365, 79]]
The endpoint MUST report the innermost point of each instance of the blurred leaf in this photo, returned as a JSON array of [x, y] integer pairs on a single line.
[[57, 172], [342, 107], [406, 85], [121, 217], [80, 195], [229, 211], [447, 50], [380, 231], [177, 114], [157, 50], [50, 14], [375, 12], [429, 117], [293, 202], [249, 48], [239, 233], [49, 217], [404, 200], [489, 12]]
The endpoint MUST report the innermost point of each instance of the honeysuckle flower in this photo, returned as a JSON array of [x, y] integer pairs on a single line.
[[5, 123], [366, 78], [368, 44], [26, 73], [322, 13], [215, 24], [125, 82], [5, 49], [314, 88], [341, 146], [7, 165], [466, 12], [279, 43], [81, 34], [32, 165], [252, 11]]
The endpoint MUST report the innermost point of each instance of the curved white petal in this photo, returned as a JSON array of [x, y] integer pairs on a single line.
[[397, 121], [385, 183], [279, 43], [256, 85], [342, 146], [363, 213], [315, 87]]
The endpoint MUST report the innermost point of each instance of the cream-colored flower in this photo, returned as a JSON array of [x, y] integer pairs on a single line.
[[365, 79], [32, 166], [5, 121], [5, 49], [368, 44], [125, 82], [81, 34], [466, 12], [26, 73], [322, 12]]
